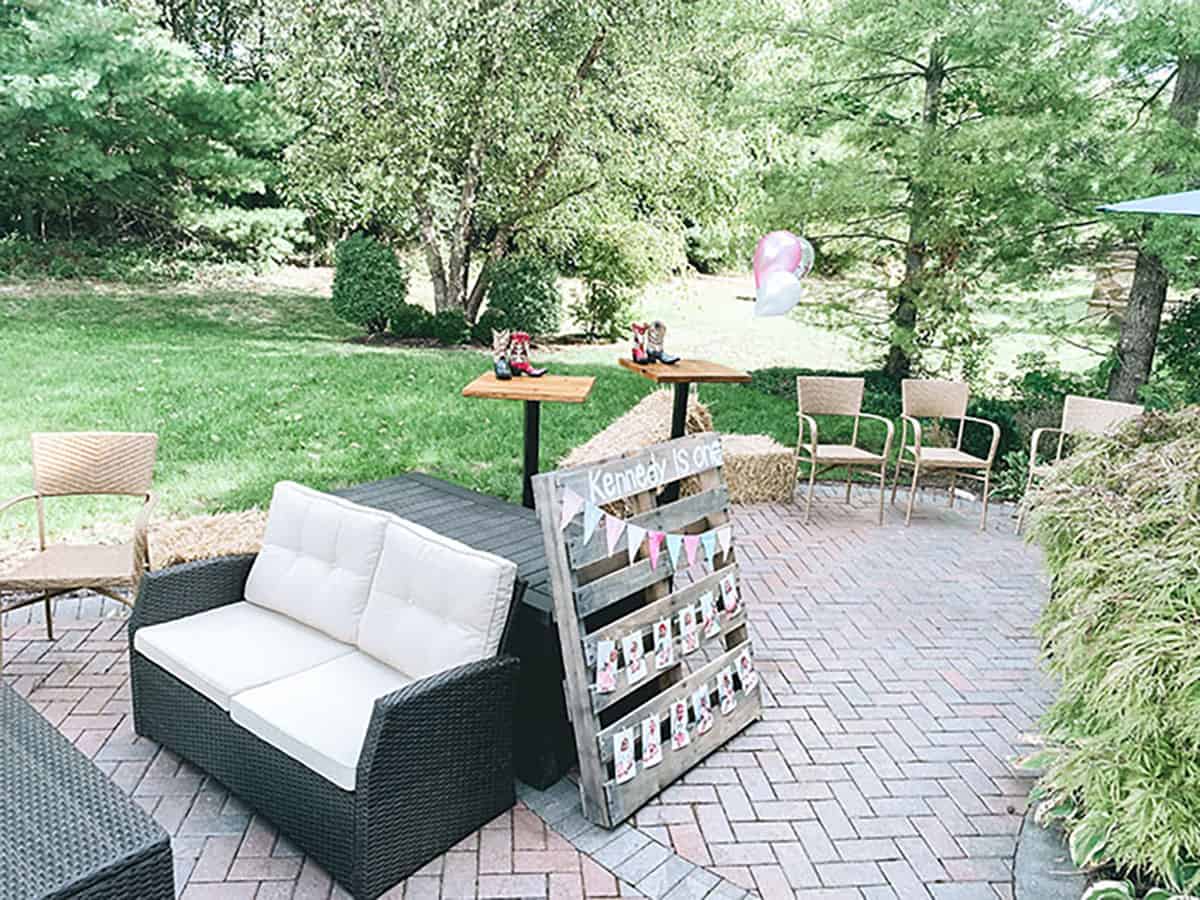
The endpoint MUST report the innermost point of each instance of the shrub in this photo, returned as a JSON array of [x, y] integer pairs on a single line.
[[135, 262], [1120, 524], [489, 320], [250, 235], [614, 262], [411, 321], [604, 310], [523, 295], [369, 283], [449, 327], [1179, 347]]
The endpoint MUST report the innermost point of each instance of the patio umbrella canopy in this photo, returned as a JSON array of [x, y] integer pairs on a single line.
[[1186, 203]]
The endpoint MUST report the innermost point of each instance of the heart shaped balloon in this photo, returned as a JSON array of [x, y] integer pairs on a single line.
[[781, 259]]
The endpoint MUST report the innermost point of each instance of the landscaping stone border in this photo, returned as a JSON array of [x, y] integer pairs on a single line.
[[1043, 869]]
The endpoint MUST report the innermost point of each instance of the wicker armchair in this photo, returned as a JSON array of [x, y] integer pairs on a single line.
[[935, 399], [1081, 415], [76, 464], [836, 397]]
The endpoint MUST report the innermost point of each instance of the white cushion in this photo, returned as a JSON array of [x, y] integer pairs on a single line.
[[317, 560], [320, 717], [229, 649], [435, 603]]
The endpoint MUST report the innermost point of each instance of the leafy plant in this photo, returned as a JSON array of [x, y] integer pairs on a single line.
[[369, 283], [411, 321], [523, 295], [1179, 346], [449, 327]]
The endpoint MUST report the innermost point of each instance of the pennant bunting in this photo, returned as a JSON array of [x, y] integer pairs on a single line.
[[708, 540], [572, 503], [725, 538], [636, 535], [674, 545], [690, 543], [613, 526], [655, 544], [591, 518]]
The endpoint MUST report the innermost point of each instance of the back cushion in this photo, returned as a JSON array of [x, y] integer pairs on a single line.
[[436, 603], [318, 559]]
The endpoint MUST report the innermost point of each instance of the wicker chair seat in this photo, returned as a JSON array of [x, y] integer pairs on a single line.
[[845, 453], [69, 566], [946, 458]]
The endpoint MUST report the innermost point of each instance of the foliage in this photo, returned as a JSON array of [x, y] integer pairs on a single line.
[[106, 124], [250, 235], [1179, 347], [409, 320], [133, 262], [614, 262], [488, 321], [369, 283], [449, 327], [605, 310], [1119, 521], [523, 294], [476, 128]]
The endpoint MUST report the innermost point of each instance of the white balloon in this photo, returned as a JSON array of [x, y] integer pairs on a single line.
[[777, 294]]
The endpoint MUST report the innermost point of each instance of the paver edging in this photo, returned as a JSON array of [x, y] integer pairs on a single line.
[[1043, 869]]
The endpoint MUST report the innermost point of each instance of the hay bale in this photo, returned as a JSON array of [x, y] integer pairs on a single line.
[[758, 469], [648, 423], [206, 537]]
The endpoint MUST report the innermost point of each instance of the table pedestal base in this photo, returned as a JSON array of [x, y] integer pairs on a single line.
[[533, 418]]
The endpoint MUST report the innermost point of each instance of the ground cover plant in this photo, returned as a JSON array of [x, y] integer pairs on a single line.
[[1120, 524]]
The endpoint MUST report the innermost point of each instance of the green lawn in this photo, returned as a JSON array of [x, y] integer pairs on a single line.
[[246, 389]]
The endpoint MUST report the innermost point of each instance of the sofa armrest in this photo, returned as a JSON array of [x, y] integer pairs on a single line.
[[438, 755], [189, 588]]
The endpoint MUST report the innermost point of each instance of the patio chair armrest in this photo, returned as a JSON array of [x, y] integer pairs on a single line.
[[141, 538], [13, 501], [891, 430], [995, 434], [916, 427], [189, 588], [812, 425], [442, 748], [1035, 439]]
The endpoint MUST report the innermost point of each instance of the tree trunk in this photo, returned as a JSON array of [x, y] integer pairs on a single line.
[[1148, 294], [899, 361]]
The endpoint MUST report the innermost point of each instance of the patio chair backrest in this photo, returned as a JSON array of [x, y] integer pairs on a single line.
[[93, 462], [932, 398], [818, 396], [1087, 415]]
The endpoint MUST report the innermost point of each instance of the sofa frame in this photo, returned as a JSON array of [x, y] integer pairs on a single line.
[[436, 764]]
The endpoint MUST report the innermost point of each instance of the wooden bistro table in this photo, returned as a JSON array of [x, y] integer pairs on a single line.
[[683, 374], [534, 391]]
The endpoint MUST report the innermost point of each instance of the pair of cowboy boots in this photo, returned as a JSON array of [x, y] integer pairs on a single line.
[[648, 340], [510, 355]]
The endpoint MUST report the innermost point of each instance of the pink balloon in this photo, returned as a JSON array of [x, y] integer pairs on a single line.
[[778, 251]]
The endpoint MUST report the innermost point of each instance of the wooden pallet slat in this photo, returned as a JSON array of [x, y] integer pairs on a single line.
[[587, 580]]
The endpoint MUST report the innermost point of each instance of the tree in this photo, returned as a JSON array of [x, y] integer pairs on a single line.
[[465, 127], [106, 121], [942, 137], [1159, 53]]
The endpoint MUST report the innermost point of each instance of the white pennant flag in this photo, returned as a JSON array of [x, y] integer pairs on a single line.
[[572, 503], [591, 518], [636, 536], [613, 526], [725, 537]]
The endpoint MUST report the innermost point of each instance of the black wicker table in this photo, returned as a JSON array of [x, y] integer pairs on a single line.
[[65, 829], [544, 744]]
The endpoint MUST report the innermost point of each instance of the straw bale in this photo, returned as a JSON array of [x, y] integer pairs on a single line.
[[205, 537], [758, 469]]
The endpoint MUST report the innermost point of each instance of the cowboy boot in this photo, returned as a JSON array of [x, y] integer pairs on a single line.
[[640, 356], [500, 355], [518, 356], [655, 338]]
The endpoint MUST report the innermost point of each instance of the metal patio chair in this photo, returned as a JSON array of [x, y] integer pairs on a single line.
[[1081, 415], [84, 464], [837, 397], [937, 399]]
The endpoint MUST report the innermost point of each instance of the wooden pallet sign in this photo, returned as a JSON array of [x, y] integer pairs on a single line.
[[651, 618]]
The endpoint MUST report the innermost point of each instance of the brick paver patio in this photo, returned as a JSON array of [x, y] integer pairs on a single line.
[[899, 676]]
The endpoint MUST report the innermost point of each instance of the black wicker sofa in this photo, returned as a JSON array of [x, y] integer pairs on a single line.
[[346, 683]]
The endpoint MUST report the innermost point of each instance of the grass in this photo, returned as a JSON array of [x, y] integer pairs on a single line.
[[245, 389]]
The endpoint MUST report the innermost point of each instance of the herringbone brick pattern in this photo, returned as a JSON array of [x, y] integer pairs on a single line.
[[899, 674]]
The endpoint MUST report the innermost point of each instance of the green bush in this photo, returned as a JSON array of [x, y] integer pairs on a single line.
[[523, 295], [1179, 347], [614, 263], [411, 321], [449, 327], [1119, 521], [134, 262], [489, 320], [251, 235], [369, 283], [605, 310]]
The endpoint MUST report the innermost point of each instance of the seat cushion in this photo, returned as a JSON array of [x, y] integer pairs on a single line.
[[318, 558], [65, 566], [319, 717], [948, 458], [229, 649], [846, 453], [435, 603]]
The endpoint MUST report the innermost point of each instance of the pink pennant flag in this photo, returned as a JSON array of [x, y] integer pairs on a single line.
[[572, 503], [655, 544], [613, 526], [691, 542]]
